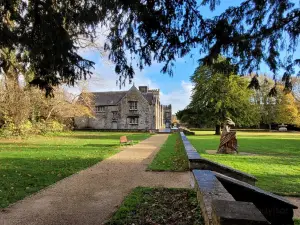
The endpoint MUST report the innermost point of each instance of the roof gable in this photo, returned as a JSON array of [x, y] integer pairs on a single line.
[[108, 98], [147, 96], [114, 97]]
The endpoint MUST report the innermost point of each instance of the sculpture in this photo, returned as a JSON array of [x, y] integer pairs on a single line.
[[228, 141]]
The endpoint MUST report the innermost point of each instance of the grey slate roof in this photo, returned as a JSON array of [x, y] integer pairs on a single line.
[[149, 96], [113, 97], [108, 98]]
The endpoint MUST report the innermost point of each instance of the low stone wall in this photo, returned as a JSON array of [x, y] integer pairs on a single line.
[[191, 152], [228, 196], [224, 200], [197, 162], [205, 164], [234, 212], [276, 209], [218, 206]]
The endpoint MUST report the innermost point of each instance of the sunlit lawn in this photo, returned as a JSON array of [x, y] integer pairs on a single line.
[[29, 165], [171, 156], [276, 164]]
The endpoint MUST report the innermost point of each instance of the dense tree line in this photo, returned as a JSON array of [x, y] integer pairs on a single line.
[[217, 96]]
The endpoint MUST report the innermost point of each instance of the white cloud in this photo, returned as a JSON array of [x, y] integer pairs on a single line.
[[105, 78], [179, 98]]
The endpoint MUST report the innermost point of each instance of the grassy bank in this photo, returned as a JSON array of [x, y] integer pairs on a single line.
[[276, 162], [171, 156], [27, 166]]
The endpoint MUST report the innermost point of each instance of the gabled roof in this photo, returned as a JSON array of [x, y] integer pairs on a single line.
[[108, 98], [148, 96], [113, 97]]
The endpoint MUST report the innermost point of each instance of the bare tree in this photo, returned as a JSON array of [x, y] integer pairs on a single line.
[[21, 105]]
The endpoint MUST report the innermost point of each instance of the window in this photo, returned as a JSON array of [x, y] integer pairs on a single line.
[[115, 115], [133, 105], [167, 114], [133, 120], [100, 108]]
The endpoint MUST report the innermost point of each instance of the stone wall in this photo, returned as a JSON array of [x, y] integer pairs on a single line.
[[167, 117], [150, 114], [143, 112], [227, 196], [81, 122], [103, 120]]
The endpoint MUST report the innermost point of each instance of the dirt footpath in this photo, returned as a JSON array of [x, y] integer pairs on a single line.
[[92, 195], [295, 201]]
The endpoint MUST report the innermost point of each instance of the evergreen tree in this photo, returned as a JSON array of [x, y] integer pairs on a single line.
[[45, 35]]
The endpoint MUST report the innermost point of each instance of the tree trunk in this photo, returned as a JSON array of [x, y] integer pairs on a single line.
[[270, 127], [218, 130]]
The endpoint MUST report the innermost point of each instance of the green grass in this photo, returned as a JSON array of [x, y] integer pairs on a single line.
[[29, 165], [158, 206], [276, 165], [171, 156], [296, 221]]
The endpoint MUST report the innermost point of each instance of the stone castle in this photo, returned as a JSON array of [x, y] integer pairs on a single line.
[[135, 109]]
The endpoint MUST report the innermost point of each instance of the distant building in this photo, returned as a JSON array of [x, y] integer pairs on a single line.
[[174, 120], [167, 115], [136, 109]]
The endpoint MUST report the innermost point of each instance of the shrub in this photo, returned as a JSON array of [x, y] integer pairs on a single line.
[[27, 128], [54, 126], [44, 127], [10, 129]]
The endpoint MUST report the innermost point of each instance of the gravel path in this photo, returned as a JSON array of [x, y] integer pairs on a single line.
[[295, 201], [92, 195]]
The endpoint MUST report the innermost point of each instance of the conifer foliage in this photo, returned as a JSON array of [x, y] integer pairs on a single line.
[[45, 35]]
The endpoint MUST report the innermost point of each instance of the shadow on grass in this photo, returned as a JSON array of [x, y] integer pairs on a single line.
[[159, 206], [21, 177], [99, 137], [135, 136], [41, 148], [102, 145], [205, 135]]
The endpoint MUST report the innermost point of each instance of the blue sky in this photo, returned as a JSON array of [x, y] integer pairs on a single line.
[[175, 90]]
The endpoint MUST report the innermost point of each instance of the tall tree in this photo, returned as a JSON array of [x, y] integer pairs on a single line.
[[189, 117], [217, 96], [287, 109], [21, 106], [266, 103], [45, 35]]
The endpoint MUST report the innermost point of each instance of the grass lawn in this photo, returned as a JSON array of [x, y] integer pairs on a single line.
[[159, 206], [171, 156], [28, 165], [276, 165]]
